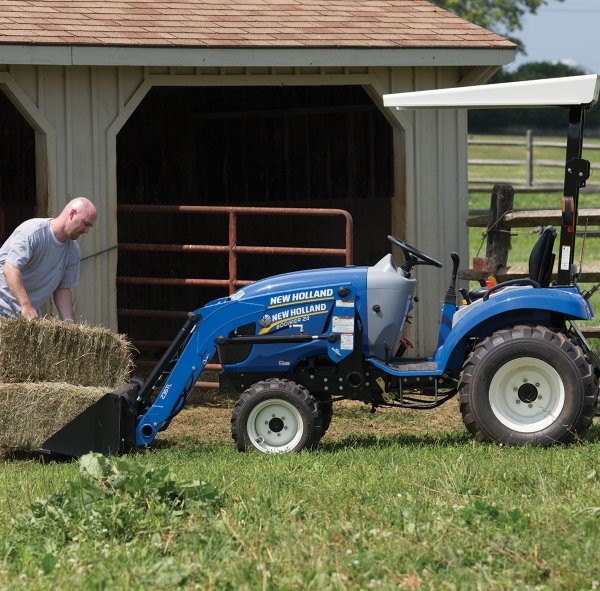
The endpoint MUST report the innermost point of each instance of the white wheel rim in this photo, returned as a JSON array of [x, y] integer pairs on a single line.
[[527, 395], [275, 426]]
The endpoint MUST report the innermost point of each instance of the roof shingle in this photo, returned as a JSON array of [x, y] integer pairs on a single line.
[[231, 23]]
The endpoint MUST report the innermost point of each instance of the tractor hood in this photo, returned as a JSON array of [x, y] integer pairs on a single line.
[[304, 285]]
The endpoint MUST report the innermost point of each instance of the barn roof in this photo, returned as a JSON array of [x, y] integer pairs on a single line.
[[240, 23]]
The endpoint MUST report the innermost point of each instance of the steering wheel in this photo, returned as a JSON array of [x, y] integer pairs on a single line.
[[412, 256]]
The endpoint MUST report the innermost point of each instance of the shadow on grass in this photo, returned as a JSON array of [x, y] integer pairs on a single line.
[[353, 441], [33, 456], [196, 444], [366, 440], [593, 435]]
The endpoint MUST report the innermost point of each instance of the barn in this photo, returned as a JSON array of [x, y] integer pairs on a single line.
[[156, 110]]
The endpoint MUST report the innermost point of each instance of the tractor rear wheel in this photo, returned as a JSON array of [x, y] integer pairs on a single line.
[[275, 416], [528, 385]]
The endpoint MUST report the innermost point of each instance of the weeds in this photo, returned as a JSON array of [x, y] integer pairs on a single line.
[[113, 507]]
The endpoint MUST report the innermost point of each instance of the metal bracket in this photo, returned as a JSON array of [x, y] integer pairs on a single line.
[[387, 396], [580, 168]]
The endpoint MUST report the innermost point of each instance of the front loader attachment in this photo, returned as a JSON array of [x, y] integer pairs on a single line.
[[106, 427], [134, 413]]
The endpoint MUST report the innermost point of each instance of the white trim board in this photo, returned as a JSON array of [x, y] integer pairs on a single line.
[[247, 57], [551, 92]]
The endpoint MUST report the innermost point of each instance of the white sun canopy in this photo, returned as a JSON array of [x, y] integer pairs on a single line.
[[551, 92]]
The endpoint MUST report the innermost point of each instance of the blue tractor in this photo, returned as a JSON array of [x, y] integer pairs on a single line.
[[294, 344]]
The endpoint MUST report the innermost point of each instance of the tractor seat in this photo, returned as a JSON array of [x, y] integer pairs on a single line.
[[541, 261]]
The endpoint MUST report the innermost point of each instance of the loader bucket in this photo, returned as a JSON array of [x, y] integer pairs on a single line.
[[106, 427]]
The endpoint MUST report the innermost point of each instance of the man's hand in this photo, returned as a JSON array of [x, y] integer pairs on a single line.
[[28, 311], [14, 280]]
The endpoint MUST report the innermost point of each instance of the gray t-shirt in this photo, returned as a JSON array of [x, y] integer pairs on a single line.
[[45, 264]]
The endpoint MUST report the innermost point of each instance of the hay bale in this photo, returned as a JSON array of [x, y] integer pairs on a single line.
[[31, 413], [48, 350]]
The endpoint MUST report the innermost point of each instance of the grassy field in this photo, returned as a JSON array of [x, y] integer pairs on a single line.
[[399, 499], [519, 153], [396, 500]]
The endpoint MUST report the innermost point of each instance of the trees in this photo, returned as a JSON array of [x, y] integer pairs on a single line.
[[501, 16]]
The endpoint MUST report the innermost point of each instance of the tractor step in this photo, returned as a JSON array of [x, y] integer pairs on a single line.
[[412, 365]]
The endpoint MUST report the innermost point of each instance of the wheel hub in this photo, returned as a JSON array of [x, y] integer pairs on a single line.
[[527, 393], [276, 424]]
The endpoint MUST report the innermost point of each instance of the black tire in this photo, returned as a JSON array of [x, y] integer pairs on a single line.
[[528, 385], [276, 416], [326, 406]]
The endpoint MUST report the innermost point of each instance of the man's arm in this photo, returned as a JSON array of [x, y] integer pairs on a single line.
[[14, 280], [63, 301]]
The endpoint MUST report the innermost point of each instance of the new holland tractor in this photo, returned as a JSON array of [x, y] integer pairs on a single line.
[[293, 345]]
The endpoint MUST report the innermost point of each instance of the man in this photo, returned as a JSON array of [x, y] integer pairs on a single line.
[[41, 258]]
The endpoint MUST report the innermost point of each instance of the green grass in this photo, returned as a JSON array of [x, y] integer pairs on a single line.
[[522, 241], [387, 513]]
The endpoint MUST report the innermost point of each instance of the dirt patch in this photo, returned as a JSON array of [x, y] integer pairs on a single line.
[[207, 416]]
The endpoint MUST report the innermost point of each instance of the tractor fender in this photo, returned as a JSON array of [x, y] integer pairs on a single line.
[[515, 305]]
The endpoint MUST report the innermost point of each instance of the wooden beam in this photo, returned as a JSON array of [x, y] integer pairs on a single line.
[[591, 274], [300, 111], [590, 332], [530, 219]]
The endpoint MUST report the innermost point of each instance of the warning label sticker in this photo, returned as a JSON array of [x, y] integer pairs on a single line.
[[344, 303], [347, 342], [343, 324], [565, 258]]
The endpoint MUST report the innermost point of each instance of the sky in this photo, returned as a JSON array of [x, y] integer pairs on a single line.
[[562, 31]]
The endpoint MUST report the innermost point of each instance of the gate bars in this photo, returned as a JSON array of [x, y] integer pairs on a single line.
[[232, 283]]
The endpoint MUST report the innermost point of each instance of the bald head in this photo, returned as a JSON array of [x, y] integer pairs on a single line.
[[78, 216], [81, 205]]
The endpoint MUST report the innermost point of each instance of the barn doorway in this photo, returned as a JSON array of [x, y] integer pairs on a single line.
[[326, 146], [17, 169]]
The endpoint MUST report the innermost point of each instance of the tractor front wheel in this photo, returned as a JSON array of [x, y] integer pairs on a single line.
[[275, 416], [528, 385]]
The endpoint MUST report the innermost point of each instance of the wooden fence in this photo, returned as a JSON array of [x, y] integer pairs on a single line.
[[528, 183], [501, 219]]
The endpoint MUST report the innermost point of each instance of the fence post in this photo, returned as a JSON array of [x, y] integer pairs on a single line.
[[498, 239], [529, 139]]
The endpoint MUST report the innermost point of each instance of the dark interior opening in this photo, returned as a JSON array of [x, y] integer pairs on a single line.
[[17, 169], [322, 147]]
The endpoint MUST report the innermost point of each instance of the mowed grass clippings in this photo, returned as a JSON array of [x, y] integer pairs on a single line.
[[49, 350], [31, 413]]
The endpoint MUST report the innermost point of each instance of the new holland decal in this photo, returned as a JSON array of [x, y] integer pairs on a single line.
[[284, 310], [301, 296]]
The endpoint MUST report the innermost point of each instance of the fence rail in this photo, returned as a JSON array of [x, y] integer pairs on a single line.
[[501, 219], [232, 249], [530, 162]]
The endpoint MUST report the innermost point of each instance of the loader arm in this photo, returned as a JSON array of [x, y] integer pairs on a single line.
[[165, 391]]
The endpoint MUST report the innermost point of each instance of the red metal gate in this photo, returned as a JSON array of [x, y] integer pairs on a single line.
[[233, 248]]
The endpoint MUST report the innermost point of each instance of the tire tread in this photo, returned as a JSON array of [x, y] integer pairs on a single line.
[[238, 431], [552, 338]]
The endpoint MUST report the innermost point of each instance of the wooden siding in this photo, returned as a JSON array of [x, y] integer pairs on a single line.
[[77, 113]]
